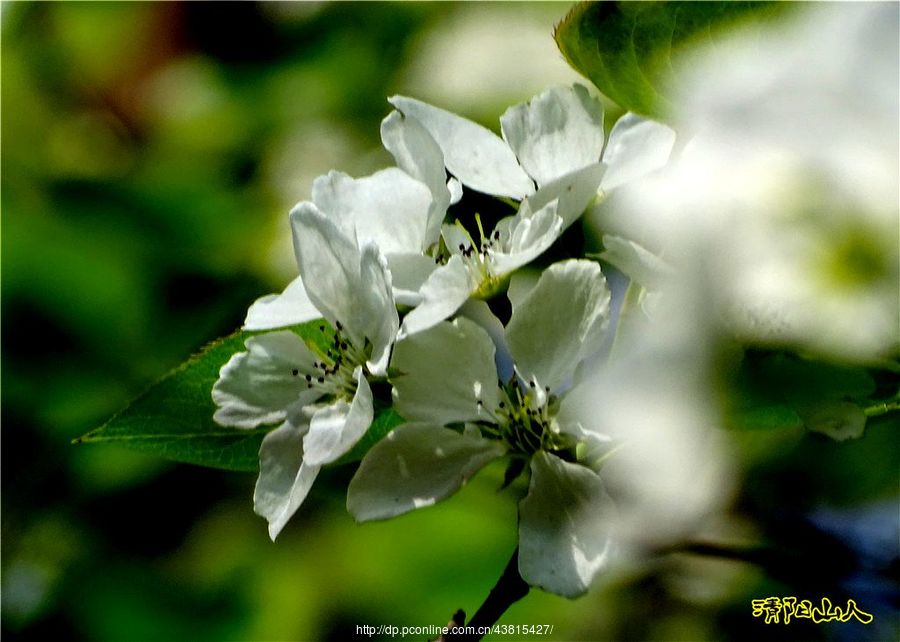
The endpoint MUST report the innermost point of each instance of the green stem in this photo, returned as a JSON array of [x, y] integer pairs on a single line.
[[510, 588]]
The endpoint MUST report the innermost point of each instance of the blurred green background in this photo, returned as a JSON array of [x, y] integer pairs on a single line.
[[150, 153]]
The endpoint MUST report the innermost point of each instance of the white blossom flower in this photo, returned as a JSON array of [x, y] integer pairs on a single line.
[[785, 200], [447, 376], [550, 159], [320, 397], [400, 209]]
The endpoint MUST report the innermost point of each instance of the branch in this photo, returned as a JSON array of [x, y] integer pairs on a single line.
[[508, 590]]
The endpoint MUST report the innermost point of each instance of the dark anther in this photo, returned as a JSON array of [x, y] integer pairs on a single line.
[[295, 372], [462, 248], [497, 235], [531, 383], [321, 379], [547, 388], [478, 403], [337, 324], [322, 328], [502, 405], [309, 377]]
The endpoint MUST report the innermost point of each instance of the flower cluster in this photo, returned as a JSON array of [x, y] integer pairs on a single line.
[[449, 288], [471, 389]]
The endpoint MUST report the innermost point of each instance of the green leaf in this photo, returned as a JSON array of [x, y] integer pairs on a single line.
[[803, 381], [627, 48], [778, 390], [174, 417], [765, 417]]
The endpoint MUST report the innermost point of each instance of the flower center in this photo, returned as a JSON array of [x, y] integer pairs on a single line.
[[525, 419], [478, 259], [332, 375]]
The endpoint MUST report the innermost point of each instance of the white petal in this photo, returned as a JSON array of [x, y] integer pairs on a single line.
[[521, 283], [389, 208], [417, 154], [444, 372], [574, 417], [636, 147], [635, 261], [561, 321], [415, 466], [335, 429], [345, 284], [284, 479], [479, 312], [456, 190], [575, 192], [377, 314], [408, 273], [259, 386], [526, 237], [447, 288], [556, 132], [475, 155], [329, 259], [564, 526], [455, 236], [281, 310]]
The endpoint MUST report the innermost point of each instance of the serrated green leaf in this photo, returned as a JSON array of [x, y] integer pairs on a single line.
[[627, 48], [174, 417]]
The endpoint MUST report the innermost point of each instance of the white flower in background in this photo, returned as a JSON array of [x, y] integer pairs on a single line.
[[784, 204], [448, 377], [320, 398], [550, 159], [655, 396]]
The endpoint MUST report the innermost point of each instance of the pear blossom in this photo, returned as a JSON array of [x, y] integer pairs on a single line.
[[553, 135], [550, 160], [319, 398], [448, 377], [400, 209]]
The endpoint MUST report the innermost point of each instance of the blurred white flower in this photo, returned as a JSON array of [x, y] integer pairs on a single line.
[[786, 197], [322, 402]]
